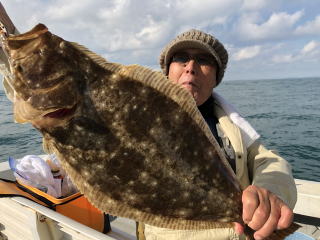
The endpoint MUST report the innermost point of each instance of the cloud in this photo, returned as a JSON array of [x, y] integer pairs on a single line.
[[103, 26], [311, 27], [309, 52], [247, 53], [310, 47], [193, 11], [279, 25], [122, 29], [61, 11]]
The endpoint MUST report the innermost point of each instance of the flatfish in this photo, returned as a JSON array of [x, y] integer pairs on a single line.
[[133, 142]]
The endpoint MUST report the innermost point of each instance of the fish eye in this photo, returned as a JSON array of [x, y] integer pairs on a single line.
[[19, 68], [40, 51], [37, 52]]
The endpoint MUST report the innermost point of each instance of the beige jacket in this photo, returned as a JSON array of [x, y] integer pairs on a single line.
[[254, 165]]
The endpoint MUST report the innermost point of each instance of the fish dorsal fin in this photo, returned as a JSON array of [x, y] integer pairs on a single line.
[[97, 58]]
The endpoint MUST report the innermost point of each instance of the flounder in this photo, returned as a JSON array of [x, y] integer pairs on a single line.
[[133, 142]]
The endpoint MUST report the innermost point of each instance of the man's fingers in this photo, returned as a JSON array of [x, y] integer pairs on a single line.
[[281, 216], [256, 207], [272, 222], [262, 213], [286, 217], [250, 201]]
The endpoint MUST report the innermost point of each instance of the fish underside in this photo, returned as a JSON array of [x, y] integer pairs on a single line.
[[133, 142]]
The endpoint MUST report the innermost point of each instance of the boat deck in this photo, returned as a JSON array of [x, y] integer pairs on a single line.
[[307, 209]]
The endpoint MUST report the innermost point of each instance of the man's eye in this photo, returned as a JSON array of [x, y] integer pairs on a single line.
[[204, 60], [180, 58]]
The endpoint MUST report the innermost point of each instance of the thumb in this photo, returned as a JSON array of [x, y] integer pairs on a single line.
[[239, 228]]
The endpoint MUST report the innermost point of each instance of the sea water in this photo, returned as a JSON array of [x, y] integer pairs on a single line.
[[285, 112]]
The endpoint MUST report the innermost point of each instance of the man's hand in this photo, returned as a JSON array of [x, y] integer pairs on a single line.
[[263, 212]]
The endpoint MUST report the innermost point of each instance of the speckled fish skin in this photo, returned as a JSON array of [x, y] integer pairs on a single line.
[[135, 144]]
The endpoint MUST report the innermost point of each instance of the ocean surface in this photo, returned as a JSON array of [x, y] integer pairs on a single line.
[[285, 112]]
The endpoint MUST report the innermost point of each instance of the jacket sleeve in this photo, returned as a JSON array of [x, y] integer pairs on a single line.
[[268, 170]]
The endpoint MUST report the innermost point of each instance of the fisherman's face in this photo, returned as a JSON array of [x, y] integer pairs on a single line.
[[196, 71]]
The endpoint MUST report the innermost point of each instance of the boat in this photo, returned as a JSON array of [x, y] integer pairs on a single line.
[[21, 218]]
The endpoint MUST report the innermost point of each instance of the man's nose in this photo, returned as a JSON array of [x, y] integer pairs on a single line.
[[190, 66]]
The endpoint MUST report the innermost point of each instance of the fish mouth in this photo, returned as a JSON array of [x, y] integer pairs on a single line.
[[54, 118], [24, 112], [61, 113]]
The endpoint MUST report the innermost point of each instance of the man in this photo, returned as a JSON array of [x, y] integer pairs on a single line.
[[197, 61]]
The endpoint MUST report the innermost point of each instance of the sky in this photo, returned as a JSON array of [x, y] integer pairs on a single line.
[[266, 39]]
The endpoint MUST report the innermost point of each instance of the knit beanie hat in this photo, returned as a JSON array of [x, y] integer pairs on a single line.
[[196, 39]]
